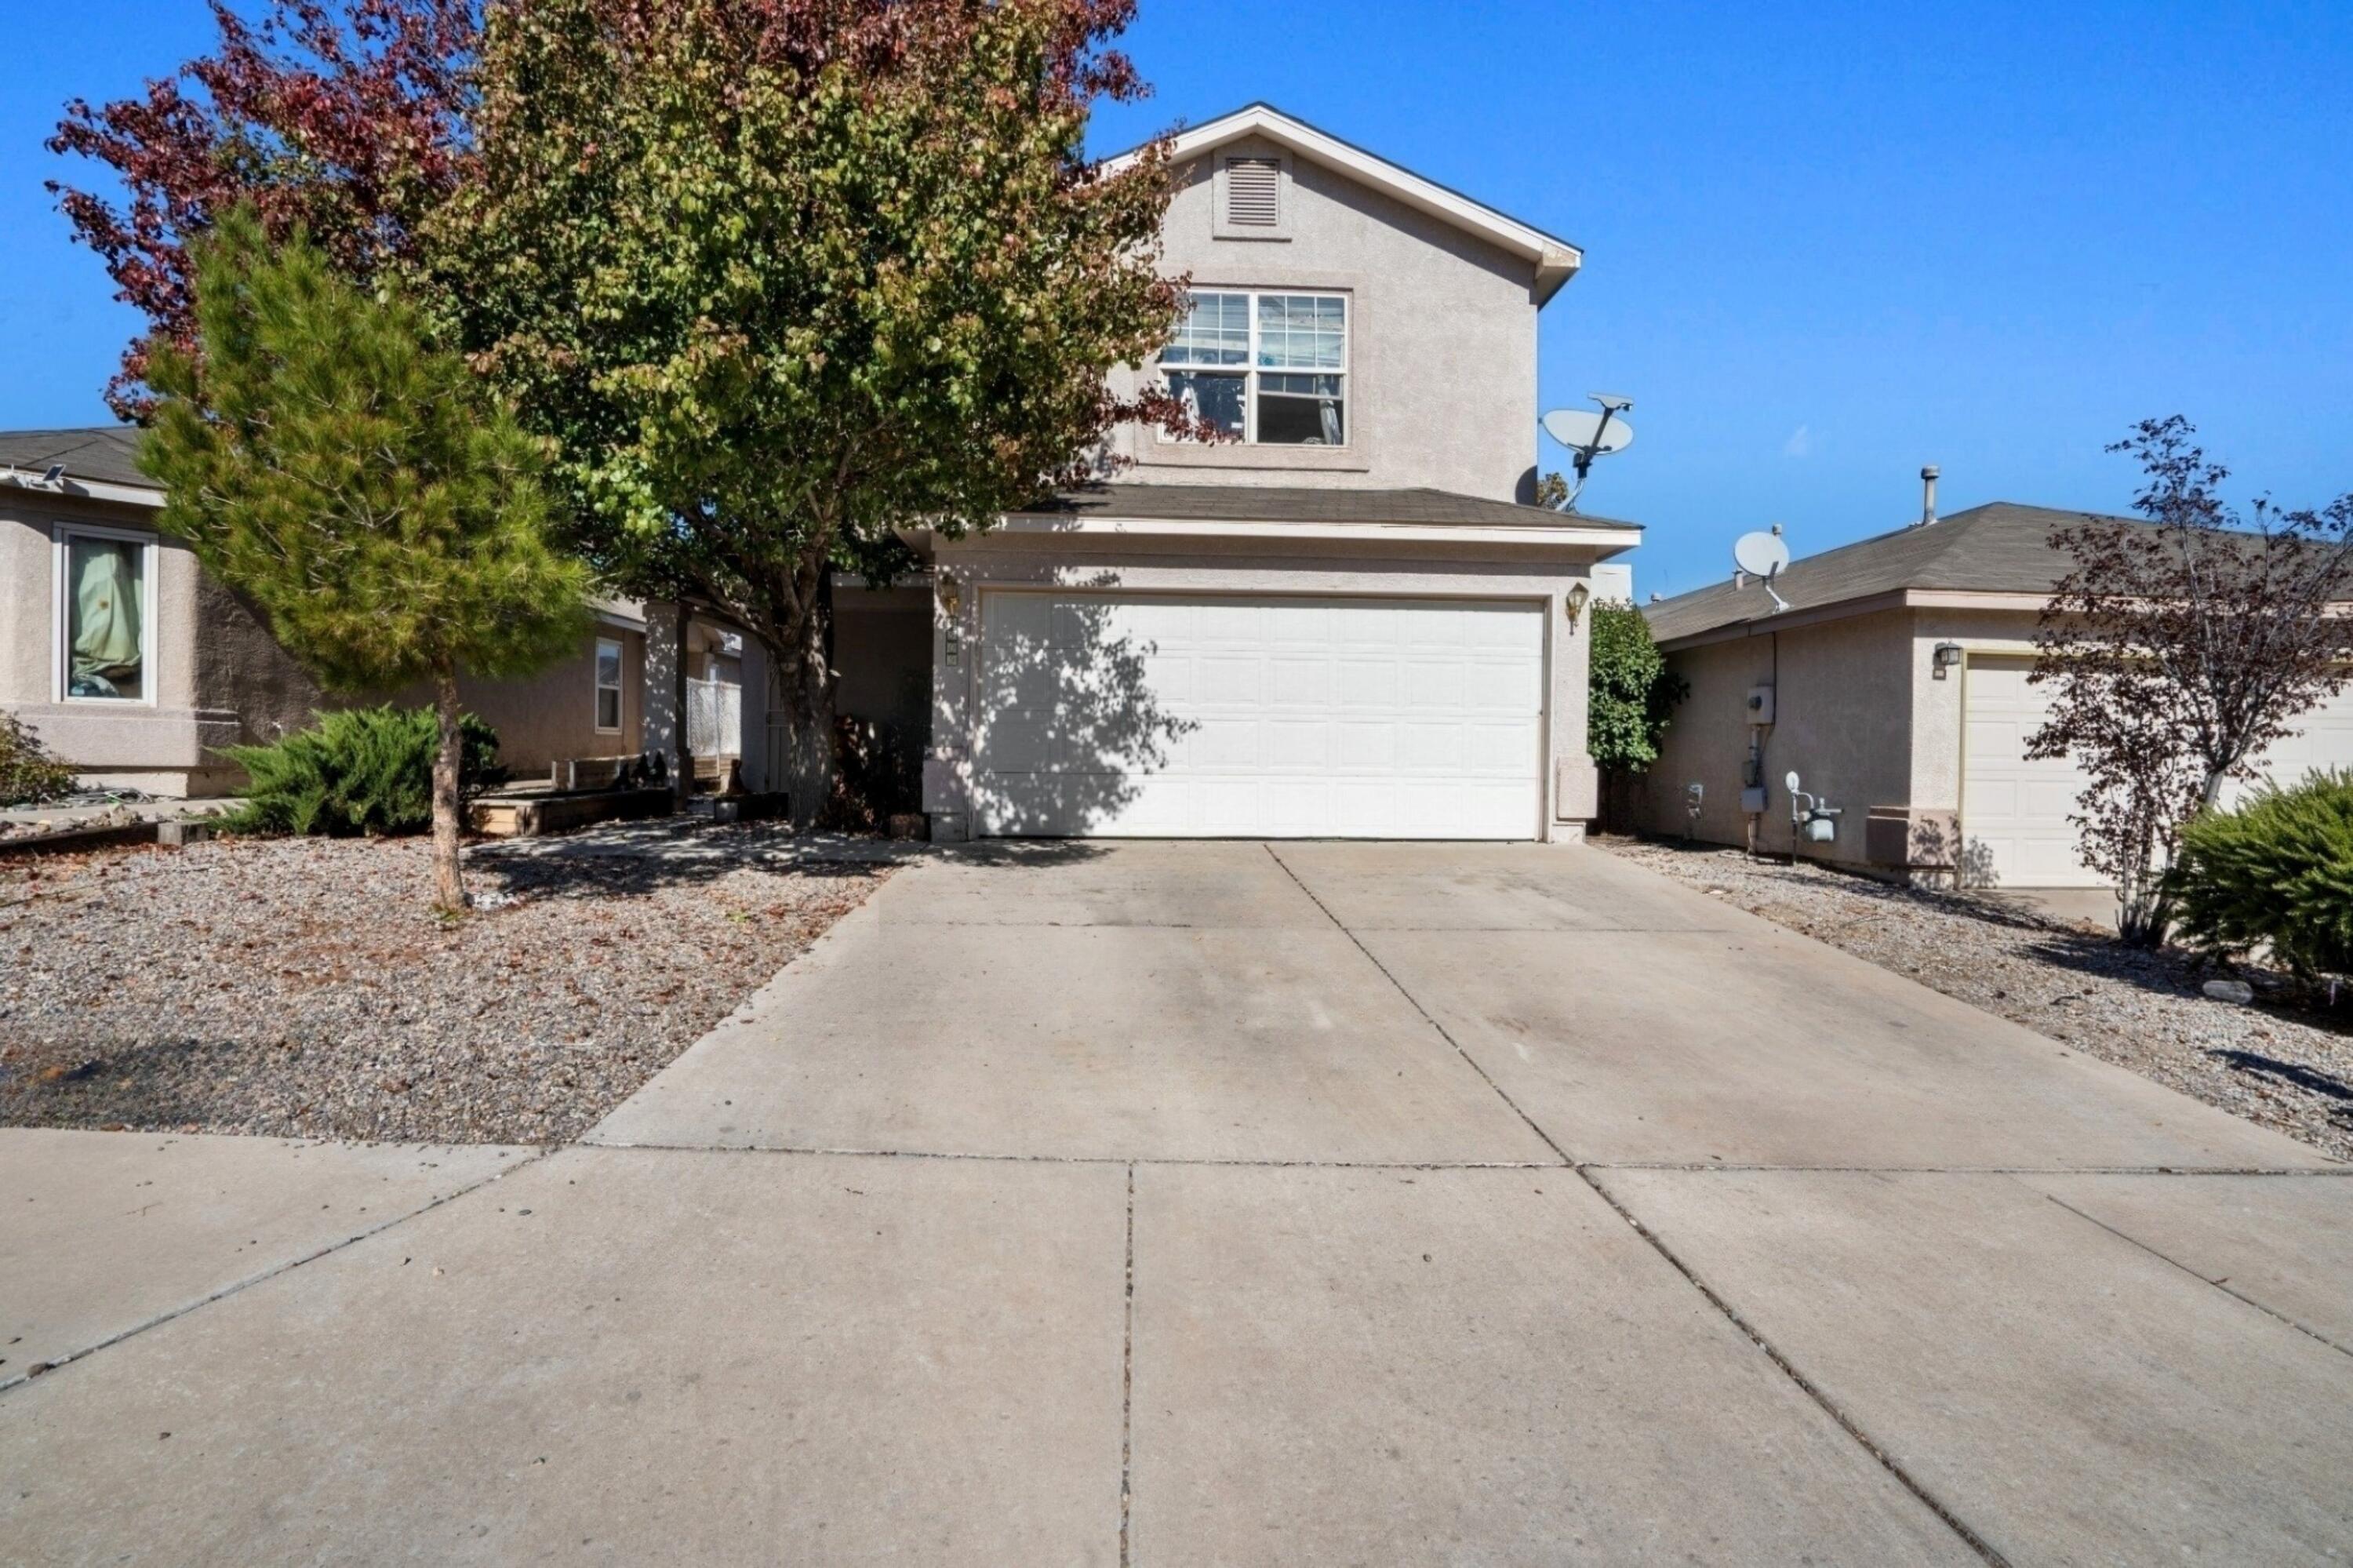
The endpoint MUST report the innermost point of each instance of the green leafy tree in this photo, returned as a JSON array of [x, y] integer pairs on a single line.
[[386, 516], [783, 278], [1631, 693]]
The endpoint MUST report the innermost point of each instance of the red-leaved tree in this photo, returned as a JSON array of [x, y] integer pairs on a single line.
[[2178, 649], [348, 120]]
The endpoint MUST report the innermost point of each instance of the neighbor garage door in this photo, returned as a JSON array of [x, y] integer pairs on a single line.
[[1218, 715], [2014, 812]]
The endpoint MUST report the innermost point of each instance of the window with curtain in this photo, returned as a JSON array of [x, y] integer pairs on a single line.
[[609, 684], [1264, 367], [105, 617]]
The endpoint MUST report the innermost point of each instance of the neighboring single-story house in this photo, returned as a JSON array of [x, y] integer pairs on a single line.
[[1345, 619], [135, 666], [1894, 685]]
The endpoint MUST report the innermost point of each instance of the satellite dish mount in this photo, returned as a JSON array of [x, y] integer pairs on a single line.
[[1589, 436], [1762, 556]]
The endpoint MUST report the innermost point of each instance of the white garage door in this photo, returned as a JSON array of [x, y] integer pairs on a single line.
[[1225, 716], [2014, 812]]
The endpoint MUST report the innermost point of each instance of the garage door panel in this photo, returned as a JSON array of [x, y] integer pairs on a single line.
[[1272, 716], [1434, 686], [1503, 688], [1300, 745], [1367, 682], [1301, 682], [1366, 747]]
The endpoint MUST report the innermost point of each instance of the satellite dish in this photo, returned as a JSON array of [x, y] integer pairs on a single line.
[[1589, 436], [1582, 428], [1763, 556], [1760, 555], [1789, 780]]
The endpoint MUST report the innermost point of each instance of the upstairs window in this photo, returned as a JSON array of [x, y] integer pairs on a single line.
[[1267, 368]]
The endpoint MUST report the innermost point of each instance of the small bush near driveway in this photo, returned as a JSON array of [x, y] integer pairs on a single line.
[[2277, 874], [358, 771]]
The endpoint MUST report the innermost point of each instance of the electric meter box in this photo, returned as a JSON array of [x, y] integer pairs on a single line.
[[1752, 800], [1760, 705]]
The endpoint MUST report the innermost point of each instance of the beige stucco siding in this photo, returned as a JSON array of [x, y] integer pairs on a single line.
[[1843, 697], [1938, 726], [1442, 351]]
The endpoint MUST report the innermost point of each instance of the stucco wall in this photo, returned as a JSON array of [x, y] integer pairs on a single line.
[[1843, 694], [552, 714], [1936, 704], [1247, 567], [1443, 352]]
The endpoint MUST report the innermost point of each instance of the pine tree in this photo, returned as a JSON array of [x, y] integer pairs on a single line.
[[361, 488]]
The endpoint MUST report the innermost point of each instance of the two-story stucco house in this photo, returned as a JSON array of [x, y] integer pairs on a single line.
[[1344, 620]]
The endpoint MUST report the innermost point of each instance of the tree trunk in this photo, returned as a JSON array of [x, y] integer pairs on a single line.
[[805, 686], [448, 883]]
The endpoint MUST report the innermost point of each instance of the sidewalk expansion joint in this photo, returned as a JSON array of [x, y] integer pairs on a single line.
[[1211, 1161], [237, 1287], [1127, 1386], [2211, 1284]]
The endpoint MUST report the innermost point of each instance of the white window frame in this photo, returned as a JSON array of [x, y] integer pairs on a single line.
[[62, 535], [1249, 370], [619, 688]]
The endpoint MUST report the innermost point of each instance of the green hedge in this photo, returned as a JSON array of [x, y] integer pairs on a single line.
[[363, 771], [1629, 690], [2278, 871]]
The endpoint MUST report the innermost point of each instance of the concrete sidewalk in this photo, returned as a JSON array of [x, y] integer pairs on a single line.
[[1233, 1204]]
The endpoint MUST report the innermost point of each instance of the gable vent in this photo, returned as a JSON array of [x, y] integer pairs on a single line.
[[1253, 191]]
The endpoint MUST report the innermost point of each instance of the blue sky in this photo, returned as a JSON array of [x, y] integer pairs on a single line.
[[1824, 243]]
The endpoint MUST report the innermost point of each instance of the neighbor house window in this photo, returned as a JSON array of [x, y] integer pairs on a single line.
[[1268, 368], [609, 684], [104, 589]]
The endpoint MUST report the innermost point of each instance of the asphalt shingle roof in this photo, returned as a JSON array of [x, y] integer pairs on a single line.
[[1301, 504], [100, 453], [2000, 547]]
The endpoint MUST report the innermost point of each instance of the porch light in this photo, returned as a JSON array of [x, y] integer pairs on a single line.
[[1948, 655], [951, 595], [1573, 606]]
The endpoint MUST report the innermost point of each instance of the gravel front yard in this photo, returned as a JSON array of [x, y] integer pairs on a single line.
[[303, 987], [2285, 1069]]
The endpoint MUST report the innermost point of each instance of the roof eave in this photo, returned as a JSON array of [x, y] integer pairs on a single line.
[[72, 489], [1861, 604], [1599, 540]]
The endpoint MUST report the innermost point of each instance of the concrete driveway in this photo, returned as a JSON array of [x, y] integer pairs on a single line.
[[1231, 1204]]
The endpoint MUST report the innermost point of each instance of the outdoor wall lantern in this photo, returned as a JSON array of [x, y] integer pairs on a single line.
[[1948, 655], [1574, 605], [951, 594]]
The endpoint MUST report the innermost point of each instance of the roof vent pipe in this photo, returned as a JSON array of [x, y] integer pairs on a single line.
[[1928, 496]]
